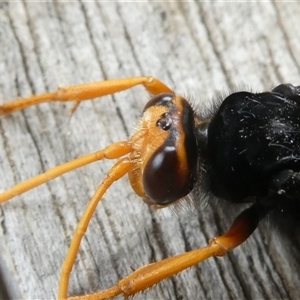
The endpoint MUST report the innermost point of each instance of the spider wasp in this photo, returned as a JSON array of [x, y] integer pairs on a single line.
[[245, 150]]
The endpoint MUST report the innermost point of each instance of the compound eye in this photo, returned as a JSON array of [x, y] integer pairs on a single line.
[[160, 100], [170, 172], [163, 179]]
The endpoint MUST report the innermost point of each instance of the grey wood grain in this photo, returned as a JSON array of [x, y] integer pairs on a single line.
[[198, 48]]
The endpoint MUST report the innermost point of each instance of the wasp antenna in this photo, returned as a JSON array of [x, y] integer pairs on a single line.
[[111, 152], [121, 168]]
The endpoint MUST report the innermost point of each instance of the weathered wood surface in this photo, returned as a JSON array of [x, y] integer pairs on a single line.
[[198, 49]]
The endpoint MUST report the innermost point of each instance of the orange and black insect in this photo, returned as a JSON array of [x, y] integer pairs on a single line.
[[245, 150]]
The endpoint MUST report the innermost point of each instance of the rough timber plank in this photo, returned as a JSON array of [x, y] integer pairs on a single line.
[[199, 49]]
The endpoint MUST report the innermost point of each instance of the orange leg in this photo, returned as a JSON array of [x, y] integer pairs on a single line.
[[122, 167], [152, 274], [111, 152], [87, 91]]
